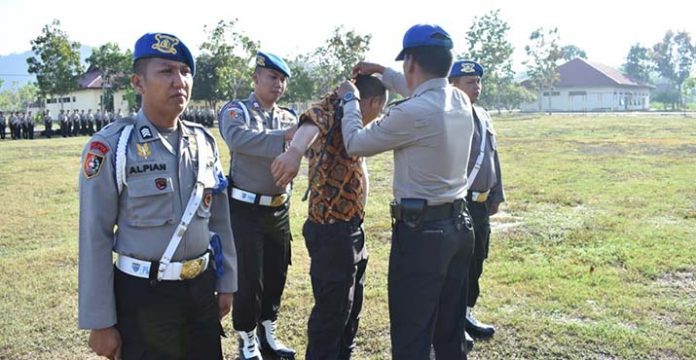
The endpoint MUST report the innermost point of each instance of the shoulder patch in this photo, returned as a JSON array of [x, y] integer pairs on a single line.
[[92, 164], [232, 109]]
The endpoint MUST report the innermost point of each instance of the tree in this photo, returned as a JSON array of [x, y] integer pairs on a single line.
[[571, 52], [335, 60], [114, 66], [674, 57], [18, 98], [56, 61], [542, 65], [303, 85], [488, 45], [224, 64], [638, 64], [513, 95]]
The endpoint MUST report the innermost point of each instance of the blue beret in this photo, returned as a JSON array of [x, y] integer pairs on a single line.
[[466, 68], [425, 35], [271, 61], [164, 46]]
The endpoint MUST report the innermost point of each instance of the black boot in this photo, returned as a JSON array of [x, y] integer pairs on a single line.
[[475, 328], [469, 342], [269, 342]]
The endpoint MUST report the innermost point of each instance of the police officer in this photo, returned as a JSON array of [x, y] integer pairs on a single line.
[[2, 126], [432, 235], [15, 126], [30, 123], [63, 120], [48, 124], [485, 185], [90, 122], [99, 119], [75, 123], [256, 131], [158, 182]]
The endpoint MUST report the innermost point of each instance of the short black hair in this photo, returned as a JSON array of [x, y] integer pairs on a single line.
[[140, 65], [370, 86], [434, 60]]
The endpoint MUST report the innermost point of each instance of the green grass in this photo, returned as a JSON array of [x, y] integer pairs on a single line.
[[592, 257]]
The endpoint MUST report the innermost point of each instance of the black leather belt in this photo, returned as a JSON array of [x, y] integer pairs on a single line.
[[433, 213]]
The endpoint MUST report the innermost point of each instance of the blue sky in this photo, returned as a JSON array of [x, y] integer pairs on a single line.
[[604, 29]]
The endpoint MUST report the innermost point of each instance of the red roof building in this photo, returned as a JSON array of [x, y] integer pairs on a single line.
[[587, 86]]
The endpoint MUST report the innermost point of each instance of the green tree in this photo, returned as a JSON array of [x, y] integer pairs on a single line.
[[542, 65], [224, 64], [674, 57], [18, 98], [571, 52], [56, 61], [488, 44], [335, 60], [303, 85], [638, 64], [115, 68]]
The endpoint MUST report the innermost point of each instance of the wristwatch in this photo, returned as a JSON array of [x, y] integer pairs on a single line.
[[348, 97]]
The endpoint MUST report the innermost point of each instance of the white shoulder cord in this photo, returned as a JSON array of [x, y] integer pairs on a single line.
[[121, 157], [479, 160], [193, 204]]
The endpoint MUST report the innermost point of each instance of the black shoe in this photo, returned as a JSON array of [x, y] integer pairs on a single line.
[[475, 328], [269, 342], [469, 342]]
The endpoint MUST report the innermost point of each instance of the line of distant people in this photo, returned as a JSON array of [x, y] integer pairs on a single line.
[[78, 122], [21, 125]]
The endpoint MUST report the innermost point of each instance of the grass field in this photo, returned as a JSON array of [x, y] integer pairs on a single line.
[[592, 257]]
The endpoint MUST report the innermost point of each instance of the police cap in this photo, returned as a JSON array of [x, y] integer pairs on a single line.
[[164, 46], [272, 61]]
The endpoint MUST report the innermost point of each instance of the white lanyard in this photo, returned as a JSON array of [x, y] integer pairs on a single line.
[[479, 159]]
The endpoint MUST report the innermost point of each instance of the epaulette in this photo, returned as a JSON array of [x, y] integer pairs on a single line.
[[290, 110], [200, 126], [116, 126], [397, 102]]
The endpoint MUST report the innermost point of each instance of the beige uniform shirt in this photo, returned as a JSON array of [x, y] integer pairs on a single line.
[[430, 134], [141, 220]]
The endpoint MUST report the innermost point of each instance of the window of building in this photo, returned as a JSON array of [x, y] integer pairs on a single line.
[[577, 93]]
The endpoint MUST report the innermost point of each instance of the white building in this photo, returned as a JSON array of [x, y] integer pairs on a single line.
[[87, 96], [587, 86]]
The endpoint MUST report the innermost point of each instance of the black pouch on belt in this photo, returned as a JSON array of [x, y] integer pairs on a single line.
[[413, 212]]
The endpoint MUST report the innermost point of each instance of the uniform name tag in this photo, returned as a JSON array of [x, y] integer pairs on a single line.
[[138, 169]]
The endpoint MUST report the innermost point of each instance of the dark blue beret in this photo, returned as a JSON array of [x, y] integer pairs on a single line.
[[164, 46], [466, 68], [425, 35], [271, 61]]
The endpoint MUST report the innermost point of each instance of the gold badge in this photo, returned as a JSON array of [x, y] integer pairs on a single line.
[[260, 60], [468, 68], [165, 44], [143, 150], [191, 269]]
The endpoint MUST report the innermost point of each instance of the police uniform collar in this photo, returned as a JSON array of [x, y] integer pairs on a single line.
[[256, 105], [429, 85]]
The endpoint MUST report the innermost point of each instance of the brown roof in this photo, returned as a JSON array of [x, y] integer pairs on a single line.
[[91, 79], [580, 72]]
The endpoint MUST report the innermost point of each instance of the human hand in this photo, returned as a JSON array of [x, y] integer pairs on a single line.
[[366, 68], [106, 342], [286, 166], [224, 304], [347, 87]]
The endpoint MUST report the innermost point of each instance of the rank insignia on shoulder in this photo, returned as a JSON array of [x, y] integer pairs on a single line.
[[92, 164], [146, 133]]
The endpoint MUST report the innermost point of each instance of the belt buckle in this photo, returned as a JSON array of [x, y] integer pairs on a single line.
[[482, 197], [279, 200], [191, 268]]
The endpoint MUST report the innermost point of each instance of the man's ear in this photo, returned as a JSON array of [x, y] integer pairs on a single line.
[[137, 83]]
